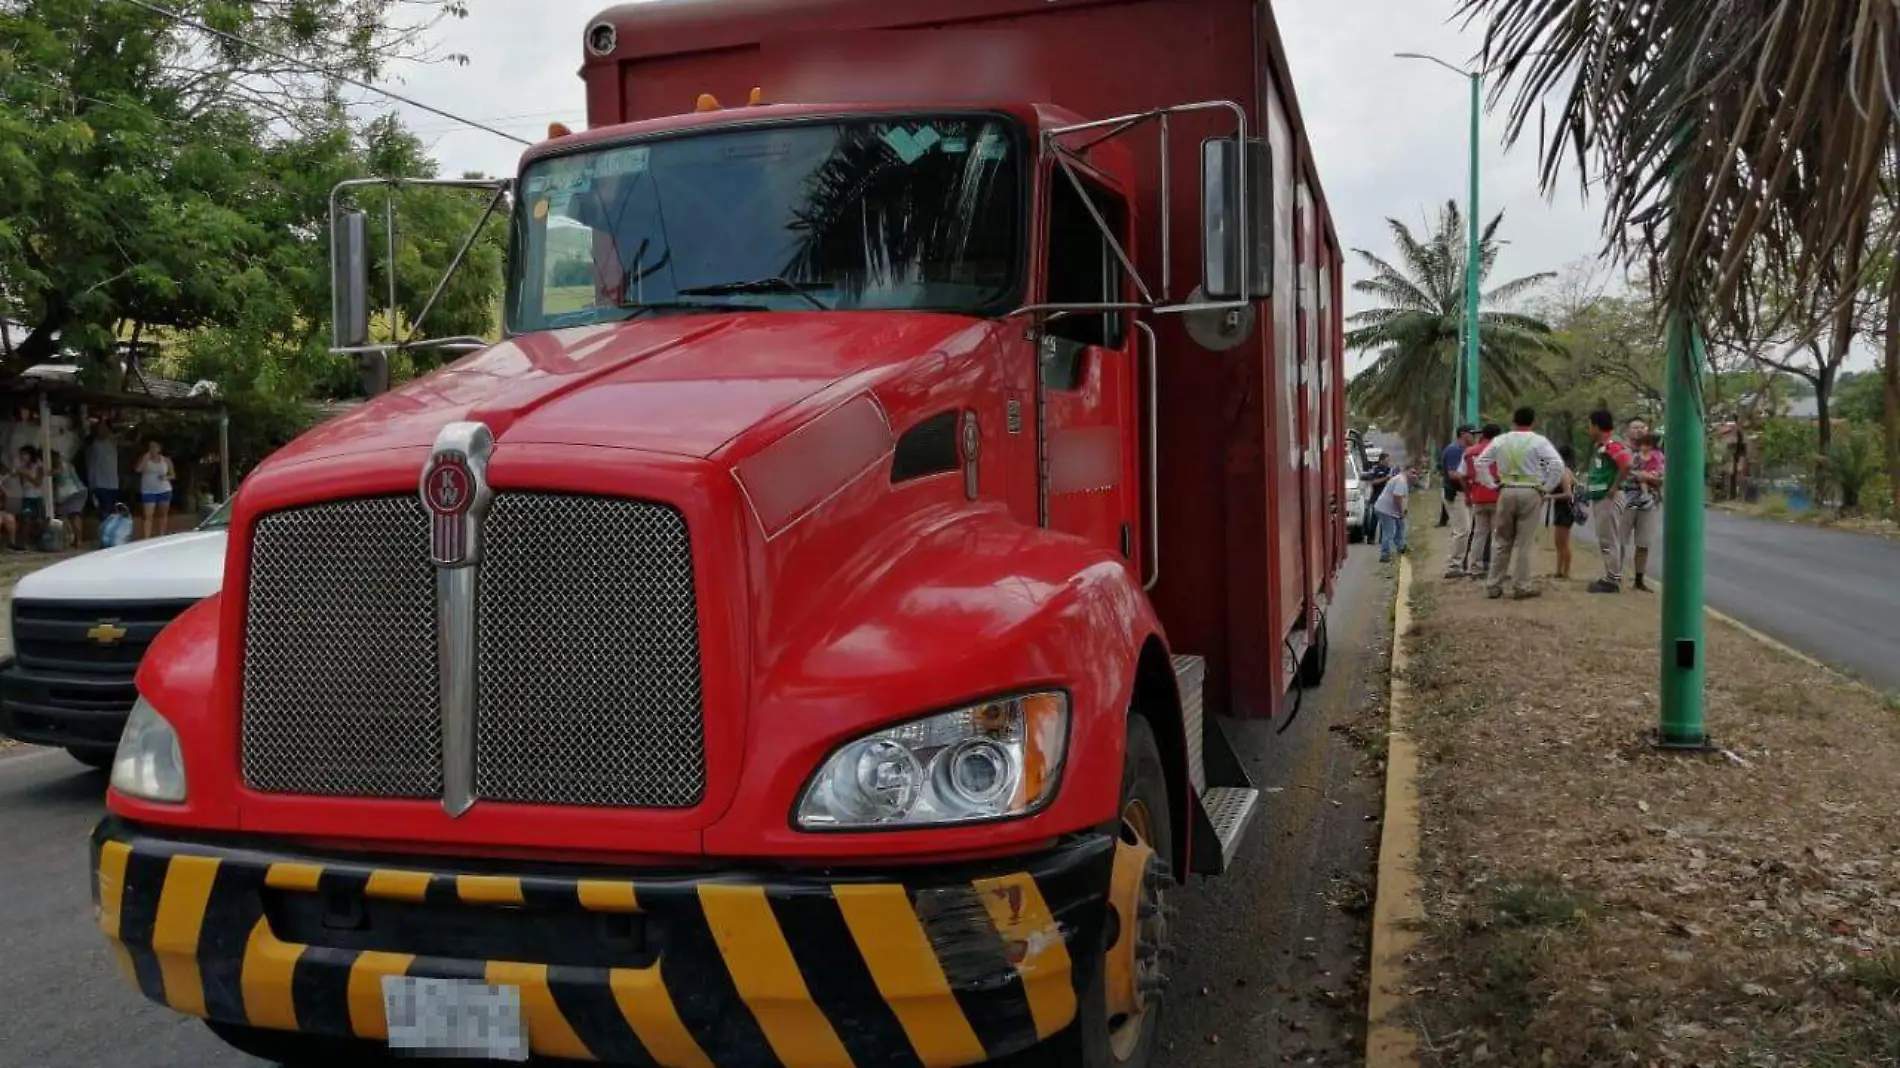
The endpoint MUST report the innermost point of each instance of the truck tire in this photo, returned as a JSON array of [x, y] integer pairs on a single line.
[[1313, 664], [92, 757], [1101, 1036]]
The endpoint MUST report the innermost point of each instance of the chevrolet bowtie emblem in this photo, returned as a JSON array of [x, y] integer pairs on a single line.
[[106, 633]]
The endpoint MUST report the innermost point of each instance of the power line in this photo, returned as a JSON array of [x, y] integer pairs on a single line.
[[306, 65]]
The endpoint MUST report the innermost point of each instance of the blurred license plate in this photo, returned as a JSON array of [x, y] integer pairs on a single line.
[[454, 1018]]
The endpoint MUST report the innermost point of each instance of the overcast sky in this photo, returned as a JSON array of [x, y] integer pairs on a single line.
[[1390, 135]]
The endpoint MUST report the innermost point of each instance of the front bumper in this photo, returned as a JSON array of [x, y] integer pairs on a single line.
[[65, 710], [939, 966]]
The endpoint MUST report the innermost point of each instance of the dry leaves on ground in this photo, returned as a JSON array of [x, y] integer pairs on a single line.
[[1596, 902]]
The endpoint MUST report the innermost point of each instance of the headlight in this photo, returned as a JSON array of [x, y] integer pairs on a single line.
[[992, 761], [149, 764]]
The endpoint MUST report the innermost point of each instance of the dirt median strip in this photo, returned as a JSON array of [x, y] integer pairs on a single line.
[[1590, 901]]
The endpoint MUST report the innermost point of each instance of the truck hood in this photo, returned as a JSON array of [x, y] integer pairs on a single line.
[[178, 567], [687, 385]]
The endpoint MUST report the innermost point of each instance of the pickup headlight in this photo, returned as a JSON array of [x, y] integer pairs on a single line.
[[991, 761], [149, 765]]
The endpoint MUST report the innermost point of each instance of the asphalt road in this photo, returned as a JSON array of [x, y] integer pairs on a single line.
[[1278, 963], [1831, 594]]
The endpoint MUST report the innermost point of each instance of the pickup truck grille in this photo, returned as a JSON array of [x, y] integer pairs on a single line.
[[102, 638], [588, 646]]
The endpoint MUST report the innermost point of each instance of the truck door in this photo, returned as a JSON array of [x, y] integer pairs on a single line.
[[1087, 365]]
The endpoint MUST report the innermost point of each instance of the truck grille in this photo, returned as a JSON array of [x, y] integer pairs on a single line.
[[588, 650]]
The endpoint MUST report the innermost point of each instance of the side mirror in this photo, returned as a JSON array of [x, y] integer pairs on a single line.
[[349, 280], [1222, 241]]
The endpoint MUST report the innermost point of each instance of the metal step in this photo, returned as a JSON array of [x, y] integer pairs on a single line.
[[1231, 810], [1190, 678]]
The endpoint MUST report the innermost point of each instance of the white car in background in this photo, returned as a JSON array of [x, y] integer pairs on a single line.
[[81, 626]]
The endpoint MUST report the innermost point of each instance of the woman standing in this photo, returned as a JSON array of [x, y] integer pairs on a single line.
[[155, 489], [1562, 515]]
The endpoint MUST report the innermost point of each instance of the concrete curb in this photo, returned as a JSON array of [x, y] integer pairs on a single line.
[[1396, 906]]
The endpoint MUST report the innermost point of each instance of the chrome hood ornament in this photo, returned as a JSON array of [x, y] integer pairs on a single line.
[[455, 491]]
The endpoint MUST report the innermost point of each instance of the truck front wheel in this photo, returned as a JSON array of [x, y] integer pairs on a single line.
[[1119, 1013]]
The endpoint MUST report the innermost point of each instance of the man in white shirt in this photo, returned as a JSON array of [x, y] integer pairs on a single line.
[[1391, 508], [102, 469], [1523, 466]]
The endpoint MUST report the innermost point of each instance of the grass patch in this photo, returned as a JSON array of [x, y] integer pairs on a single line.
[[1878, 974], [1540, 901], [1594, 902]]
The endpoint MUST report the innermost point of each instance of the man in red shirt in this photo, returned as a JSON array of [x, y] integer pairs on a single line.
[[1472, 555]]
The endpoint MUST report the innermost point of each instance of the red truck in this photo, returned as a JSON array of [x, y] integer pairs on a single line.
[[794, 643]]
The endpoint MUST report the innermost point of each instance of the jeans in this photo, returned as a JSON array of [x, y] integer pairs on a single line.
[[1391, 535]]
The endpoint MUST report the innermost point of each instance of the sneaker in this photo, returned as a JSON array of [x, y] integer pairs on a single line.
[[1639, 584], [1494, 592], [1525, 595], [1605, 586], [1450, 575], [1385, 559]]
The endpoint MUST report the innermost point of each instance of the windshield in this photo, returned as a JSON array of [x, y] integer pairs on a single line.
[[922, 213], [219, 518]]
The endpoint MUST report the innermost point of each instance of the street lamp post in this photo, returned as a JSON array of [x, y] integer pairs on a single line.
[[1467, 375]]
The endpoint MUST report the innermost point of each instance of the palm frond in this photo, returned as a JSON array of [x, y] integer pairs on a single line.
[[1738, 144]]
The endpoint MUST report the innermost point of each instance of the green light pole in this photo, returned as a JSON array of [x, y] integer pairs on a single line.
[[1683, 670], [1467, 373]]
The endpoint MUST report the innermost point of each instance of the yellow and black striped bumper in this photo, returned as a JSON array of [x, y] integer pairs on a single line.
[[949, 968]]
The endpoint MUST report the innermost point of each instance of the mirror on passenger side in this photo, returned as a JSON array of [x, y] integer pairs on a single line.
[[1222, 195]]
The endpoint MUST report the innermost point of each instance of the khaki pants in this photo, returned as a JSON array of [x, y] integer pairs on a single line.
[[1474, 556], [1460, 510], [1606, 523], [1519, 509], [1638, 527]]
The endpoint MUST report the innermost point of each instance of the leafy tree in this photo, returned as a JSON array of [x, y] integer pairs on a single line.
[[1418, 333], [1858, 398], [133, 152], [1854, 462]]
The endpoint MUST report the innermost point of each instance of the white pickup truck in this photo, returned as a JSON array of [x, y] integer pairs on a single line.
[[81, 626]]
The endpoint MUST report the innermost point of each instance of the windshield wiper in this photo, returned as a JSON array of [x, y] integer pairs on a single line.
[[773, 284], [647, 307]]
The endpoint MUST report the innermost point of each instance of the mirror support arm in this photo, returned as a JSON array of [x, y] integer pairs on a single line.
[[1101, 223], [1107, 129], [415, 328]]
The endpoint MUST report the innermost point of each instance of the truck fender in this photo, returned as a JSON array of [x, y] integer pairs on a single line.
[[976, 608], [179, 677]]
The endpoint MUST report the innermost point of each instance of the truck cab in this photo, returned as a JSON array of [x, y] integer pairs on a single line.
[[779, 648]]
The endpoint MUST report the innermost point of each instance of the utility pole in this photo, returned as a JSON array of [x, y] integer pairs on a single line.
[[1465, 391], [1684, 670], [1471, 376]]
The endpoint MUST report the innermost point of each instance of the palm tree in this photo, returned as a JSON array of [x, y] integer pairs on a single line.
[[1419, 330]]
